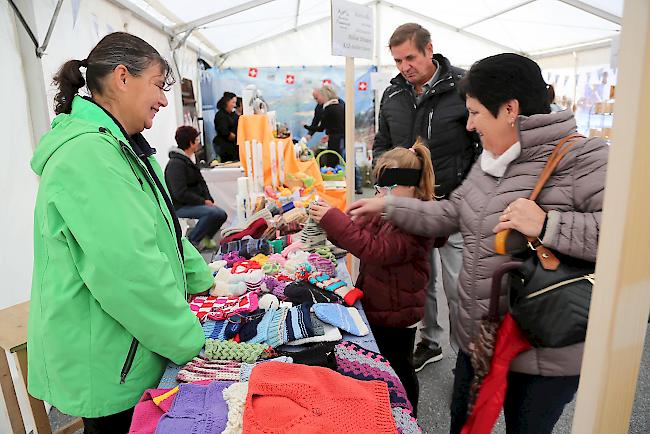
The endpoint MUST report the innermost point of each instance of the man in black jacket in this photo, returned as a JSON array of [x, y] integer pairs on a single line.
[[422, 101], [189, 191]]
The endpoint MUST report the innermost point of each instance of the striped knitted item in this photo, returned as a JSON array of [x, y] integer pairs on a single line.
[[282, 325], [200, 368], [357, 362], [349, 294], [222, 330], [241, 352]]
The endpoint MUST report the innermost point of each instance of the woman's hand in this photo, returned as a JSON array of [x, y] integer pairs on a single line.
[[366, 207], [522, 215], [318, 210]]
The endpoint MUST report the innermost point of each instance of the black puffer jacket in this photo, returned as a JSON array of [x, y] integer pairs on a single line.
[[439, 119], [184, 181]]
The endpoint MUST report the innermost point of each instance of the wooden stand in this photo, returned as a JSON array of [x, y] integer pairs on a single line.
[[619, 306], [13, 340]]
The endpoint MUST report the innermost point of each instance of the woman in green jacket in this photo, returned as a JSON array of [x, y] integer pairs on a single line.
[[111, 271]]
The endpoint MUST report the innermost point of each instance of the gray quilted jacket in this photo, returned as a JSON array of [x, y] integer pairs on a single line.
[[573, 198]]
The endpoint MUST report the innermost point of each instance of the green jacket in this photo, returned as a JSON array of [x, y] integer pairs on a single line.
[[106, 269]]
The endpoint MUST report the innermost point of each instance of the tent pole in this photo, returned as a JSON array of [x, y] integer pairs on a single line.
[[349, 146], [349, 128], [619, 305]]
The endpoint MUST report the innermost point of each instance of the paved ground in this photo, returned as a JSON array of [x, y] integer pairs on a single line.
[[436, 384]]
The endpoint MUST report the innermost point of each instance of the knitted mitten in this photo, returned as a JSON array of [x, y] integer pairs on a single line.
[[345, 318]]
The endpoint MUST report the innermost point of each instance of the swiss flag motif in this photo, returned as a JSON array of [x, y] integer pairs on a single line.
[[363, 85], [290, 79], [252, 72], [327, 82]]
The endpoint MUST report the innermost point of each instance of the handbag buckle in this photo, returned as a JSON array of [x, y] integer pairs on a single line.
[[534, 244]]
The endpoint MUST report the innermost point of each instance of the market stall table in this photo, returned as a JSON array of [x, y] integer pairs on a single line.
[[168, 379]]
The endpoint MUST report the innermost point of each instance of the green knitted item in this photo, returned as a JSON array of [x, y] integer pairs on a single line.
[[230, 350]]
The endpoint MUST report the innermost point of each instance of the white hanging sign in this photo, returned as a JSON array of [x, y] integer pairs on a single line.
[[352, 29]]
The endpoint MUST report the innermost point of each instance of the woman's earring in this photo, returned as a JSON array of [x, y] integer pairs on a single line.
[[512, 123]]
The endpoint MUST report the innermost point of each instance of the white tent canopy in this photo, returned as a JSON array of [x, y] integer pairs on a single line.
[[297, 32]]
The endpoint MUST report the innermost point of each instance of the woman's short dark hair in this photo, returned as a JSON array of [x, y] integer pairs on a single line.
[[114, 49], [227, 96], [501, 78], [185, 136]]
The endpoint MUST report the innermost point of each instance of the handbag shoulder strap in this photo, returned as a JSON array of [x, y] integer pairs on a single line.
[[546, 257], [563, 146]]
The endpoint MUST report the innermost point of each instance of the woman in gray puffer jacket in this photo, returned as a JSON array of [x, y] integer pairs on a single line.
[[508, 108]]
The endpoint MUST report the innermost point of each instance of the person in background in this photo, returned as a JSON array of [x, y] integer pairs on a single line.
[[225, 124], [508, 107], [318, 113], [551, 99], [111, 271], [333, 123], [189, 192], [423, 101], [394, 269], [239, 110]]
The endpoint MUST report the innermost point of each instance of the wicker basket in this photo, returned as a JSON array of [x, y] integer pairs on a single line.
[[334, 176]]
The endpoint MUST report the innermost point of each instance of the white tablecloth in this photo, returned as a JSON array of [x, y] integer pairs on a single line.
[[222, 183]]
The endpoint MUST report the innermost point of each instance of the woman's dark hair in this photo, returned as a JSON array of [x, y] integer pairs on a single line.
[[185, 136], [239, 102], [227, 96], [115, 49], [501, 78]]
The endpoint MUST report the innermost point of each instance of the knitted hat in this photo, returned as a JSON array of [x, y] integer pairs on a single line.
[[292, 398], [282, 325], [345, 318], [330, 334], [349, 294], [305, 292]]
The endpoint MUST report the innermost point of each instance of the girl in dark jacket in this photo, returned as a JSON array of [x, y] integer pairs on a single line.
[[225, 123], [394, 269]]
